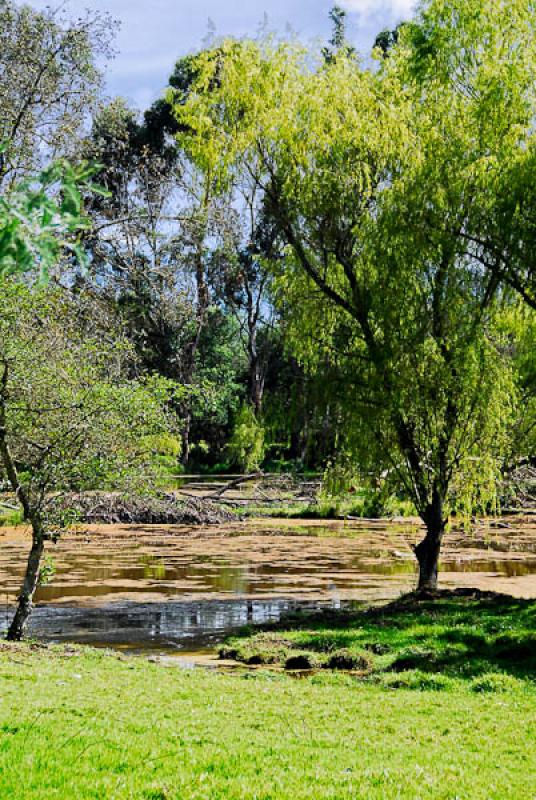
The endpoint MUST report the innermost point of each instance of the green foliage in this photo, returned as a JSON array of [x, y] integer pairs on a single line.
[[340, 507], [74, 419], [340, 478], [339, 42], [47, 571], [41, 217], [346, 493], [497, 682], [165, 450], [11, 518], [215, 388], [246, 445]]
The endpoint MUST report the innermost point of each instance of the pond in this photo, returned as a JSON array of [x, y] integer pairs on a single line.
[[179, 589]]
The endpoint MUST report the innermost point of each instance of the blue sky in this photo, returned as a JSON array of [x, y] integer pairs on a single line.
[[154, 33]]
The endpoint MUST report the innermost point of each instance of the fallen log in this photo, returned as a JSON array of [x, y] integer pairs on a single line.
[[232, 484]]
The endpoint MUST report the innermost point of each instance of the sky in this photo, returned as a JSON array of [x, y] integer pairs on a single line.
[[153, 34]]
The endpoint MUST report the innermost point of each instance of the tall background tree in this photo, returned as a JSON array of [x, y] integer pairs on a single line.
[[49, 84]]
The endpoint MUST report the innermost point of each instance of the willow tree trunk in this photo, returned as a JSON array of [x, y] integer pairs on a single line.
[[427, 553], [428, 550], [25, 600]]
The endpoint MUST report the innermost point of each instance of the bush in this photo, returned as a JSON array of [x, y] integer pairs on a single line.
[[246, 447], [415, 680], [346, 659]]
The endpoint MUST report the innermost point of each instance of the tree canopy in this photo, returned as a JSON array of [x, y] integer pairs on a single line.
[[378, 181], [49, 82]]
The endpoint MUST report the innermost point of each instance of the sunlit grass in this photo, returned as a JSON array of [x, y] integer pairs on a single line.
[[327, 509], [84, 724], [10, 518]]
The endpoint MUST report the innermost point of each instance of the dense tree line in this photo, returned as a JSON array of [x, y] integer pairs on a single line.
[[291, 260]]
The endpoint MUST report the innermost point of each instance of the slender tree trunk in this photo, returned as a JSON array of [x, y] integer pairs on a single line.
[[32, 513], [203, 304], [428, 550], [256, 377], [186, 428], [256, 382], [31, 579]]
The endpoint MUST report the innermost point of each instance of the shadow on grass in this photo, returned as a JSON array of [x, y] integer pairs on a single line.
[[460, 635]]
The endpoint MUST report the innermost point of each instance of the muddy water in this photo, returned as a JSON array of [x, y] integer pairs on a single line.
[[180, 589]]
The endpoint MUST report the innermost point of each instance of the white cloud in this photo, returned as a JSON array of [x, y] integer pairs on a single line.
[[398, 9]]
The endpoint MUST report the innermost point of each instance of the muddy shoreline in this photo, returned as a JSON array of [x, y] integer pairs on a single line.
[[176, 587]]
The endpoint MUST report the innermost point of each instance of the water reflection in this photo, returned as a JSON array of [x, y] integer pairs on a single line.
[[158, 626], [153, 574], [166, 587]]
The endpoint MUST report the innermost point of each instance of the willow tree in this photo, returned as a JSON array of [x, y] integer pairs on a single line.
[[368, 176], [470, 68]]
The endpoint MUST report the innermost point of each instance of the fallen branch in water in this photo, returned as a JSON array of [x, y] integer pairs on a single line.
[[11, 508], [232, 484]]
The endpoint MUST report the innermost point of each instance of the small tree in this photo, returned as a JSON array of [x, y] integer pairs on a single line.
[[246, 446], [69, 418]]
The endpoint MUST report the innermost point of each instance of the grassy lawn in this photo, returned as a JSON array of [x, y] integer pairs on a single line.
[[78, 723]]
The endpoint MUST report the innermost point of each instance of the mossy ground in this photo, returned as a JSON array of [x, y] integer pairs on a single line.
[[80, 723]]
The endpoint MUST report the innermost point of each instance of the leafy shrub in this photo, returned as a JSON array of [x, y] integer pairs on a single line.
[[415, 680], [347, 659], [246, 446], [300, 661]]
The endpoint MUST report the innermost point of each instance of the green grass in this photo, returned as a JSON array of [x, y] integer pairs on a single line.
[[356, 506], [442, 643], [85, 724], [10, 518]]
